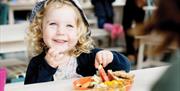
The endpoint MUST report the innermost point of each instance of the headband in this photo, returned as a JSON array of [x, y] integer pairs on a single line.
[[40, 4]]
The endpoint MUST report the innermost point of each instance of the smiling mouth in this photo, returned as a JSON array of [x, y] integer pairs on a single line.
[[60, 41]]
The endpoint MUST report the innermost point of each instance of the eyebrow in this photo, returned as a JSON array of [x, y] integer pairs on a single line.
[[49, 21], [67, 22]]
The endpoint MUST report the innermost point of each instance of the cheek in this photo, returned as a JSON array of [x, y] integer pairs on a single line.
[[73, 37], [48, 33], [47, 36]]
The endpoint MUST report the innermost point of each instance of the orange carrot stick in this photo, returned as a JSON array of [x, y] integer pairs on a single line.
[[103, 73]]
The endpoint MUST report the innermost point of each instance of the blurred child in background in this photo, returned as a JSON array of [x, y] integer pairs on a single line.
[[132, 13], [104, 11], [165, 23]]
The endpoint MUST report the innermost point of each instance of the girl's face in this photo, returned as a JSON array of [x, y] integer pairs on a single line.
[[60, 29]]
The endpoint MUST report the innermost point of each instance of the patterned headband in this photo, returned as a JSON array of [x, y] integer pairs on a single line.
[[40, 4]]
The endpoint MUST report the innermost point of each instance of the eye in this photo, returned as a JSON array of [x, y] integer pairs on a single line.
[[69, 25], [52, 23]]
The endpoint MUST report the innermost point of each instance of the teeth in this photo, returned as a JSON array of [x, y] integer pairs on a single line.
[[60, 40]]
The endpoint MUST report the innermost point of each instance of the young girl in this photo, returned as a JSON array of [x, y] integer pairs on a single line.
[[59, 36]]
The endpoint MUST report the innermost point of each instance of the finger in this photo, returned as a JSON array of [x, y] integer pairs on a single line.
[[48, 54], [54, 54], [59, 56], [96, 64], [110, 57], [104, 58], [98, 60], [50, 51], [54, 51]]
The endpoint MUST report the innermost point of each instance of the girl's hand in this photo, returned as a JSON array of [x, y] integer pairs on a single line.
[[53, 58], [103, 57]]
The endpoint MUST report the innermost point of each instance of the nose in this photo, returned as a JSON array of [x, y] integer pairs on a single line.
[[60, 30]]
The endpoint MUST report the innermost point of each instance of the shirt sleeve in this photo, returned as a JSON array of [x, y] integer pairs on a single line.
[[86, 63], [39, 71], [120, 62]]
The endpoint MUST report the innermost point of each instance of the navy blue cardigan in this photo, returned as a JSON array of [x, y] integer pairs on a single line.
[[39, 71]]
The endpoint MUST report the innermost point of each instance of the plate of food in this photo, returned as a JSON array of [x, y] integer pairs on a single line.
[[112, 81]]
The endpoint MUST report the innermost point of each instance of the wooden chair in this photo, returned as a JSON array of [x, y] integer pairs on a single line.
[[144, 42]]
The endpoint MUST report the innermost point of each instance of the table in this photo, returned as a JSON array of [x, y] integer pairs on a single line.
[[144, 78]]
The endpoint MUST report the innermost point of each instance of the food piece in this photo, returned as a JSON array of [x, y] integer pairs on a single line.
[[117, 81], [83, 83], [103, 74], [97, 79], [123, 74], [111, 76], [86, 85], [79, 85]]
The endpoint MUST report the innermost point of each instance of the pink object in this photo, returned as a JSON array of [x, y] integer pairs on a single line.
[[2, 78], [115, 29], [108, 27]]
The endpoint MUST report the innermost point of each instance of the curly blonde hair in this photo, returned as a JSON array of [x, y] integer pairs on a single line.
[[35, 40]]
